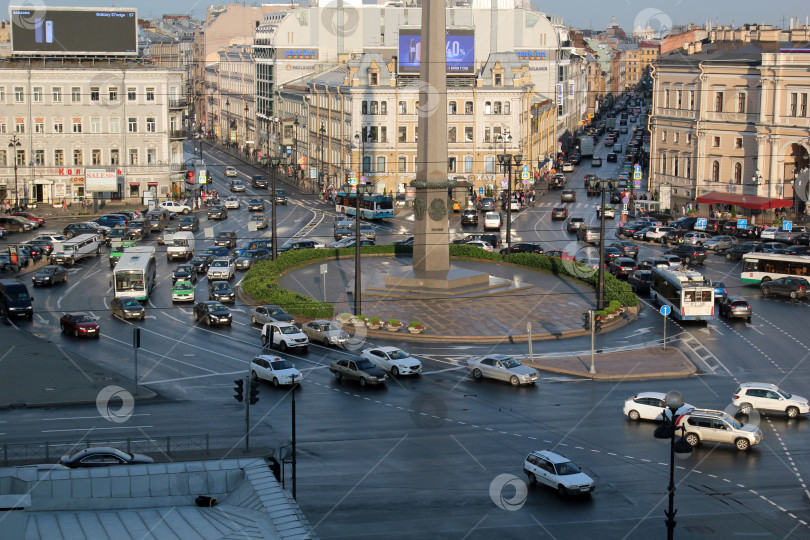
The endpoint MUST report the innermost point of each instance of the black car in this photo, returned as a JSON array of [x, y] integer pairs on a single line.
[[213, 313], [640, 281], [125, 307], [559, 213], [255, 205], [686, 223], [629, 228], [140, 228], [689, 254], [794, 287], [218, 212], [45, 245], [611, 157], [226, 239], [615, 197], [185, 272], [629, 249], [798, 250], [103, 457], [304, 244], [281, 196], [221, 291], [592, 190], [770, 247], [259, 181], [492, 239], [575, 158], [469, 217], [622, 266], [523, 247], [50, 275], [189, 223], [612, 253], [75, 229], [735, 307], [736, 253], [753, 231], [200, 263], [802, 239], [674, 236]]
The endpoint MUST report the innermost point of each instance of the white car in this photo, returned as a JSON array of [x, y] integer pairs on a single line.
[[176, 207], [394, 360], [492, 220], [768, 397], [649, 406], [274, 369], [567, 167], [558, 472], [232, 203], [515, 205], [221, 269], [657, 233], [230, 171], [486, 246], [285, 336]]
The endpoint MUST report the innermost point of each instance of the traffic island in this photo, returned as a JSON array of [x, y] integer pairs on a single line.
[[636, 364]]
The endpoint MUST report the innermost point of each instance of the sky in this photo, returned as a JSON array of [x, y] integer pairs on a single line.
[[594, 14]]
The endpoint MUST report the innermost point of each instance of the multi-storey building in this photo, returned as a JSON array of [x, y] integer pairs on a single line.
[[236, 103], [731, 118], [70, 116]]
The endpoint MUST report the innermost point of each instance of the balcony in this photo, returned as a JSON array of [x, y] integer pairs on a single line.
[[178, 134], [178, 103]]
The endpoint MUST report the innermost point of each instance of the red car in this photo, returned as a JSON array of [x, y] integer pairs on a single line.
[[560, 254], [38, 220], [80, 324]]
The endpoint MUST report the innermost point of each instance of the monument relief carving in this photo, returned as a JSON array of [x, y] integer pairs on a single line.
[[438, 209], [419, 208]]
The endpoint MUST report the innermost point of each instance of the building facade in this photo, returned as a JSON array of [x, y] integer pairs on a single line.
[[70, 117]]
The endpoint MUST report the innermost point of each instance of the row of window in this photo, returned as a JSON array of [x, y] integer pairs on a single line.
[[381, 107], [96, 158], [76, 94], [77, 125], [738, 141], [715, 169], [466, 163], [797, 104]]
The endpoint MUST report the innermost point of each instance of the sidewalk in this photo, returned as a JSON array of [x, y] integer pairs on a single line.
[[648, 363], [35, 372]]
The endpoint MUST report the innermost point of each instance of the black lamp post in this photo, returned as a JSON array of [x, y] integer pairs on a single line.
[[247, 109], [322, 132], [14, 145], [274, 163], [228, 121], [506, 161], [681, 448], [603, 185], [295, 147], [211, 114], [362, 189]]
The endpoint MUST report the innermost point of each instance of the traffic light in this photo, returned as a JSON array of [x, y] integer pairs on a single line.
[[240, 390], [586, 319], [189, 177], [254, 392], [597, 323]]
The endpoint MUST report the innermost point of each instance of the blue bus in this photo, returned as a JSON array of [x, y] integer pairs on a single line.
[[373, 206]]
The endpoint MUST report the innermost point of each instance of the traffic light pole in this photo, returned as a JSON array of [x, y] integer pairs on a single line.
[[247, 416], [592, 371], [600, 286]]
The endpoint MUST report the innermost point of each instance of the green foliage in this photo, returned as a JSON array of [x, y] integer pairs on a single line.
[[374, 320], [393, 322], [415, 324]]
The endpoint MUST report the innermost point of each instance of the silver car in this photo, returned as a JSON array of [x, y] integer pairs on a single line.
[[269, 313], [720, 243], [719, 427], [503, 368], [326, 332]]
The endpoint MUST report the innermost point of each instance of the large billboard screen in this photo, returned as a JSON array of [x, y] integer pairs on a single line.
[[98, 180], [460, 46], [66, 31]]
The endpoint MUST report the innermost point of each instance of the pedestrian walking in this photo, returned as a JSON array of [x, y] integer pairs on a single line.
[[64, 205]]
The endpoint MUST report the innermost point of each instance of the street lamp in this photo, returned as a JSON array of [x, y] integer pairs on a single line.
[[362, 189], [228, 121], [274, 163], [211, 112], [247, 109], [14, 144], [322, 131], [681, 448], [603, 185], [295, 146], [360, 139], [506, 161]]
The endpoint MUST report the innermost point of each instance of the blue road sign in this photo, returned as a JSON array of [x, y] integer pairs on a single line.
[[700, 223], [637, 168], [665, 310], [625, 200], [481, 191], [787, 225], [742, 223], [637, 183]]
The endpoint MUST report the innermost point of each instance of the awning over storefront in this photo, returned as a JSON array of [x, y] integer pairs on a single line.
[[134, 183], [744, 201]]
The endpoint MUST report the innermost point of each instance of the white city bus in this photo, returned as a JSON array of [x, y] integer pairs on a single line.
[[759, 267], [134, 275], [688, 293]]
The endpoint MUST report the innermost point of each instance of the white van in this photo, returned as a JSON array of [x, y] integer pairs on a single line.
[[68, 252], [181, 246]]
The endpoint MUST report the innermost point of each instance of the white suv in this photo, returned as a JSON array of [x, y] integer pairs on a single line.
[[221, 269], [285, 336], [492, 221], [658, 233], [558, 472], [717, 426], [768, 397], [176, 207]]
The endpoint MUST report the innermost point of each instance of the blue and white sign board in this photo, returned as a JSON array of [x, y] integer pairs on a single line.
[[700, 223], [787, 225], [637, 168], [363, 179], [353, 180], [637, 175], [625, 200], [481, 191], [742, 223], [504, 182], [665, 310], [524, 175]]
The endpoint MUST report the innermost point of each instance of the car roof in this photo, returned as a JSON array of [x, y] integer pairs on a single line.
[[659, 395], [769, 386], [551, 456], [268, 357]]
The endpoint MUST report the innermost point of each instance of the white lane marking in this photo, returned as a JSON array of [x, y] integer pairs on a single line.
[[190, 377], [86, 417], [93, 429]]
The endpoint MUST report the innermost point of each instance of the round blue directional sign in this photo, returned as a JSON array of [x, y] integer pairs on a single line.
[[665, 310]]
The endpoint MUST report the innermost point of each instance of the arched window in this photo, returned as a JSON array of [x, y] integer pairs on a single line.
[[403, 107], [737, 173], [715, 171], [452, 108], [487, 108], [497, 109]]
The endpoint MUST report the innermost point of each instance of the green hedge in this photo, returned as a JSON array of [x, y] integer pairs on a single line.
[[261, 281]]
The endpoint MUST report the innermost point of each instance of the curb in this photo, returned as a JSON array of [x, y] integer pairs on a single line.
[[672, 374]]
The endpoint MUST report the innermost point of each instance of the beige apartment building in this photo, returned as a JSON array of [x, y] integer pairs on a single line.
[[730, 119]]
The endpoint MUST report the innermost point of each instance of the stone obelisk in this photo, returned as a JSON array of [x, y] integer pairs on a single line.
[[431, 238]]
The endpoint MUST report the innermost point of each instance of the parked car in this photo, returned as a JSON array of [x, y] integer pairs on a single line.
[[696, 238], [686, 223], [285, 336], [794, 287], [769, 398], [79, 324], [657, 233], [111, 220], [737, 307], [37, 221], [628, 249], [736, 252], [213, 313], [558, 472], [325, 332], [175, 207], [501, 367], [567, 166], [622, 266], [769, 247], [102, 456], [293, 245], [274, 369], [50, 275], [719, 427], [125, 307], [394, 360], [650, 406]]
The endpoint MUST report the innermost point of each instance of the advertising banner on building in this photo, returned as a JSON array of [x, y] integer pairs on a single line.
[[559, 94], [103, 179], [460, 47]]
